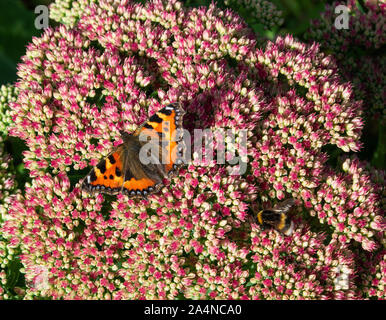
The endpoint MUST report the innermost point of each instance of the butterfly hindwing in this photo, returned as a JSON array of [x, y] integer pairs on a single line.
[[107, 176], [138, 180]]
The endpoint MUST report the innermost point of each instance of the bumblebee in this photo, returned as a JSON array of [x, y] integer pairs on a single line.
[[276, 217]]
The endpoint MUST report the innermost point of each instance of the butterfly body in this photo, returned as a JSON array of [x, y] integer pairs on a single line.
[[130, 170], [277, 217]]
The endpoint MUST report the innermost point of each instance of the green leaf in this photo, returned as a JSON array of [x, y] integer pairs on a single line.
[[7, 69], [17, 27], [378, 159]]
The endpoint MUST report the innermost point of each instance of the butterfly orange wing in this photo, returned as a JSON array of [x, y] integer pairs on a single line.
[[165, 124], [107, 176]]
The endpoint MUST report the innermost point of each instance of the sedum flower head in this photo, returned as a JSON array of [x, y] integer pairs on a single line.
[[9, 265], [8, 94], [358, 49], [7, 178], [372, 275], [79, 86], [301, 267], [264, 12], [351, 202], [68, 12]]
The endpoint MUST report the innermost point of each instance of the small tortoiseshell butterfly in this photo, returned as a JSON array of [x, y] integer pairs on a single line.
[[123, 171]]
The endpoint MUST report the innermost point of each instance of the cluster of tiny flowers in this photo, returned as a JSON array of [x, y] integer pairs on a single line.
[[8, 254], [300, 267], [173, 243], [68, 11], [288, 157], [9, 267], [177, 241], [7, 178], [350, 202], [8, 93], [121, 63], [263, 11], [364, 68], [372, 274], [378, 179]]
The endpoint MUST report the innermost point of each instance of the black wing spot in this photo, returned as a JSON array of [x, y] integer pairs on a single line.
[[111, 177], [111, 159], [118, 172], [93, 176], [155, 118], [166, 112], [105, 177], [102, 166], [147, 126]]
